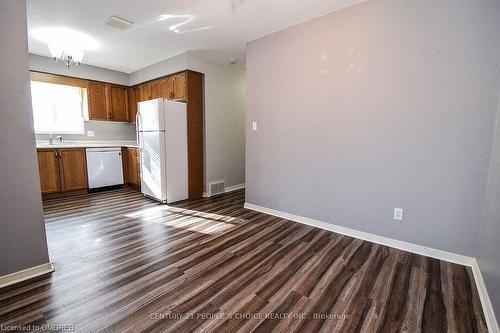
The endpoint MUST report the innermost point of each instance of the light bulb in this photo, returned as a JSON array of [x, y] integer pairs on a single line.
[[56, 51]]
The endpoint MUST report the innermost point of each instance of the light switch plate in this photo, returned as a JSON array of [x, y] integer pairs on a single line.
[[254, 126], [398, 214], [90, 133]]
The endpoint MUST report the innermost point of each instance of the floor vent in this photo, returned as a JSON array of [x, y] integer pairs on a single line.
[[216, 188]]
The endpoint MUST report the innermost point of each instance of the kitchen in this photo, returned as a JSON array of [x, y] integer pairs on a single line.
[[68, 166], [250, 165]]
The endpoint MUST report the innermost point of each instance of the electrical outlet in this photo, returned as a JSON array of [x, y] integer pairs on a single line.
[[254, 126], [398, 214], [90, 133]]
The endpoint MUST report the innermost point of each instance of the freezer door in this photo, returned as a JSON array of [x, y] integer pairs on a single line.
[[177, 152], [151, 115], [153, 178]]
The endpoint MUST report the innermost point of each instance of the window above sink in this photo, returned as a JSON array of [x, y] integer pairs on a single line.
[[58, 108]]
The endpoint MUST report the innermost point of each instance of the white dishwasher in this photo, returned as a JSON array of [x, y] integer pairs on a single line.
[[104, 167]]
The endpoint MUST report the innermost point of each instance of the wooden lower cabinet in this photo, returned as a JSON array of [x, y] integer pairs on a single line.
[[131, 166], [73, 169], [48, 170], [62, 170]]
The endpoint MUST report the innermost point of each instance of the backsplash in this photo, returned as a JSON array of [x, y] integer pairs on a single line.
[[103, 130]]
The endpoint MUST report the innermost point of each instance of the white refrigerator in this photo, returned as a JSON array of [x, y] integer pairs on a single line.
[[162, 139]]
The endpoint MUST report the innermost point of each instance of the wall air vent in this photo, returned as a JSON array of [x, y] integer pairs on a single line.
[[119, 23], [216, 188]]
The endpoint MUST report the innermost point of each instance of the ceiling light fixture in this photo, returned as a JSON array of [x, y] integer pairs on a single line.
[[66, 45], [68, 56]]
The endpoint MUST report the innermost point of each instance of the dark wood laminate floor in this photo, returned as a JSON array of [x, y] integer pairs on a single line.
[[125, 263]]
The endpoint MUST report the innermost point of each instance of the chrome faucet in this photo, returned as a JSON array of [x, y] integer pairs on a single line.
[[59, 138]]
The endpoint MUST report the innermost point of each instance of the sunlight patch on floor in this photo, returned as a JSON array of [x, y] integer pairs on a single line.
[[193, 220]]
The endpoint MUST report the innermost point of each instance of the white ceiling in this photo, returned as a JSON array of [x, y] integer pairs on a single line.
[[224, 26]]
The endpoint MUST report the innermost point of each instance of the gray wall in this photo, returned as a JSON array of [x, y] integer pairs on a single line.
[[225, 105], [48, 65], [488, 253], [162, 68], [23, 242], [103, 130], [389, 103]]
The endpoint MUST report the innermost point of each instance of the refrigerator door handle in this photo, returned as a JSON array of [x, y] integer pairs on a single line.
[[137, 117]]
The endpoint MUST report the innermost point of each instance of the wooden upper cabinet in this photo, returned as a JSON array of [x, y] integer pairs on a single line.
[[149, 90], [48, 169], [138, 94], [155, 89], [170, 87], [73, 168], [178, 86], [146, 93], [118, 103], [132, 104], [97, 100], [165, 87], [107, 101]]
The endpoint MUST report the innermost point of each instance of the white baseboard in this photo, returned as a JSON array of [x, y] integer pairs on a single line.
[[405, 246], [489, 314], [25, 274], [227, 189], [234, 187]]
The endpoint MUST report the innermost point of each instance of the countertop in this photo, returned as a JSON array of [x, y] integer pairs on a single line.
[[85, 144]]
